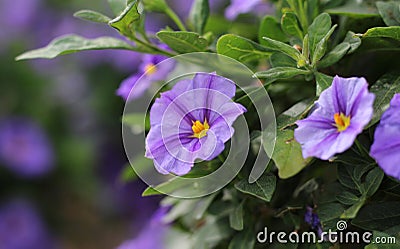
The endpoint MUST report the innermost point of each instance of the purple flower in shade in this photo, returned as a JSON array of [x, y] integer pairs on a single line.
[[150, 70], [25, 148], [237, 7], [152, 236], [313, 220], [341, 114], [21, 227], [386, 147], [191, 121]]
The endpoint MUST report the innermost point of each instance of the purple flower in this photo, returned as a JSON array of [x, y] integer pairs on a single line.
[[341, 114], [191, 121], [150, 70], [152, 236], [21, 227], [313, 220], [386, 146], [25, 148], [237, 7]]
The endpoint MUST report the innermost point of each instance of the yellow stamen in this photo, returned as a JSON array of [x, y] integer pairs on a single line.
[[150, 69], [341, 121], [200, 129]]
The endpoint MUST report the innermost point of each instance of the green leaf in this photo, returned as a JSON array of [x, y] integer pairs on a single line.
[[128, 174], [320, 50], [73, 43], [199, 14], [383, 32], [323, 82], [390, 12], [183, 41], [290, 25], [236, 217], [282, 47], [92, 16], [271, 28], [243, 240], [318, 30], [334, 55], [347, 198], [329, 211], [278, 59], [125, 22], [378, 216], [155, 5], [373, 181], [241, 49], [287, 154], [176, 186], [263, 188], [136, 121], [117, 6], [355, 9], [352, 211], [392, 242], [384, 89], [353, 40], [277, 73]]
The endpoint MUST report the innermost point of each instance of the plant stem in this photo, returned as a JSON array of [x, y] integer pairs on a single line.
[[175, 18]]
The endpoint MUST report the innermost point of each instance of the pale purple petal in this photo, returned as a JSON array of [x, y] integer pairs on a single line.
[[238, 7], [386, 146]]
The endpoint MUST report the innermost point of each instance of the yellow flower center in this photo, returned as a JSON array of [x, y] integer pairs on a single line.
[[150, 69], [341, 121], [200, 129]]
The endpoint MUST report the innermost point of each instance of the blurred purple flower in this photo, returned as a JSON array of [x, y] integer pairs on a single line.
[[25, 148], [21, 227], [386, 146], [341, 114], [237, 7], [313, 220], [150, 71], [192, 120], [152, 236]]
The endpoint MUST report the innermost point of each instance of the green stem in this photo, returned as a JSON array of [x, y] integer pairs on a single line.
[[361, 148], [175, 18]]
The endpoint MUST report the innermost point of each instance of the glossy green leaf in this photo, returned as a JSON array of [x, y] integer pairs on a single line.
[[263, 188], [318, 30], [277, 73], [241, 49], [199, 15], [290, 25], [117, 6], [125, 22], [243, 240], [271, 28], [334, 55], [390, 12], [183, 41], [378, 216], [73, 43], [323, 81], [278, 59], [236, 217], [384, 89], [383, 32], [320, 50], [282, 47], [92, 16], [287, 154]]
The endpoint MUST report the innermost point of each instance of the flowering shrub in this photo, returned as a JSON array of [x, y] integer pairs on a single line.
[[331, 69]]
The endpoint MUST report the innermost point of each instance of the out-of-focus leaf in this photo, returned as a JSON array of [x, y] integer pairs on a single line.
[[155, 5], [378, 216], [334, 55], [125, 22], [281, 60], [391, 241], [271, 28], [236, 217], [277, 73], [384, 89], [199, 14], [263, 188], [117, 6], [92, 16], [241, 49], [390, 12], [282, 47], [355, 9], [73, 43], [329, 211], [323, 82], [243, 240], [183, 41], [290, 25], [352, 211]]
